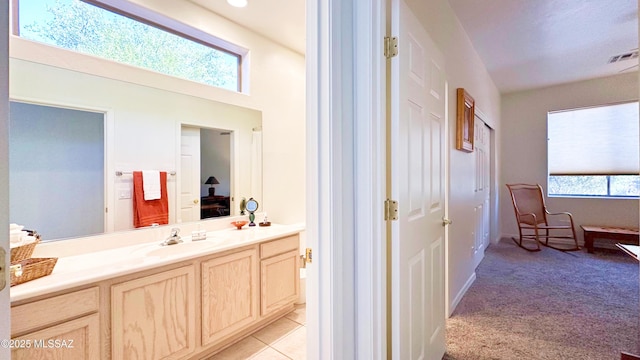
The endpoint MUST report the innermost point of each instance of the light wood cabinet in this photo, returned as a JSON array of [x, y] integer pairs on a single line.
[[154, 317], [77, 339], [279, 274], [229, 294], [65, 327], [179, 311]]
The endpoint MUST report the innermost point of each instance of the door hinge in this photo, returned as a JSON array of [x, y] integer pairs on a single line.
[[390, 209], [308, 256], [3, 270], [390, 46]]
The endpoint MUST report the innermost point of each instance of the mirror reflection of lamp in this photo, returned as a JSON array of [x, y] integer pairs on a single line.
[[212, 181]]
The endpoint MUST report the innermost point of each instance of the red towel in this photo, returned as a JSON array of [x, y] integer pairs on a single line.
[[149, 212]]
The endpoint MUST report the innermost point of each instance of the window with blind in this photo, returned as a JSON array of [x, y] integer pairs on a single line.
[[594, 151]]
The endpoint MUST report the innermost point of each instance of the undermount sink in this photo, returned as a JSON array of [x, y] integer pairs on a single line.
[[186, 246], [160, 250]]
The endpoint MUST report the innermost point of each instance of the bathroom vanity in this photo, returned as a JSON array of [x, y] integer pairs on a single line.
[[145, 301]]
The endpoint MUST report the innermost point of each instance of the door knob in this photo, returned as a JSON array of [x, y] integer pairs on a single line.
[[195, 201], [446, 222]]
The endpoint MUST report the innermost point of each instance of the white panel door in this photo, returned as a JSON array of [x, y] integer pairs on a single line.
[[482, 188], [418, 85], [190, 174]]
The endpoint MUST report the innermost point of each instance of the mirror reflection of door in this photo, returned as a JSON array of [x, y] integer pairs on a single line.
[[206, 173], [190, 174]]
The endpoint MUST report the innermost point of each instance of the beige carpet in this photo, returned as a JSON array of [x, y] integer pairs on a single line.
[[547, 305]]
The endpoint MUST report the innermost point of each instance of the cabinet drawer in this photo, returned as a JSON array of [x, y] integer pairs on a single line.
[[279, 246], [52, 310]]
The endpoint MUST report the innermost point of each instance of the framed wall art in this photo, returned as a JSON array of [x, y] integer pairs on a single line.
[[464, 123]]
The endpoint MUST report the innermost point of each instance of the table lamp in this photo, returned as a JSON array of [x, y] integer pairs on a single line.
[[212, 181]]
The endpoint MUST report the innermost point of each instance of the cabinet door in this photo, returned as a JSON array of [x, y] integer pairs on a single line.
[[74, 340], [154, 317], [280, 281], [229, 294]]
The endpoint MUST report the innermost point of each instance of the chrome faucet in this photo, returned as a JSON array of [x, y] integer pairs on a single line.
[[173, 239]]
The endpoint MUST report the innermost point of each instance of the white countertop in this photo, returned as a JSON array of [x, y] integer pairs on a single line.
[[72, 271]]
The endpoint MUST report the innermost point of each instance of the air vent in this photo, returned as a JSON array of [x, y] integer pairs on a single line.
[[622, 57]]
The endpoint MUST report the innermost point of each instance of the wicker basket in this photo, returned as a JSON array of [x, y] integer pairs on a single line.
[[31, 269], [23, 252]]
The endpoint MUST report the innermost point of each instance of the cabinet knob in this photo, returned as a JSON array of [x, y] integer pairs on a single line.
[[195, 201]]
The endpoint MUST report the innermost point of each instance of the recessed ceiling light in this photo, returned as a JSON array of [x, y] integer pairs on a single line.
[[237, 3]]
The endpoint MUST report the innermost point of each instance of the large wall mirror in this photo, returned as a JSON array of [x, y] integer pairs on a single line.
[[100, 126]]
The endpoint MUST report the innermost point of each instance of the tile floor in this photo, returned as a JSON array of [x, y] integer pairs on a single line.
[[284, 339]]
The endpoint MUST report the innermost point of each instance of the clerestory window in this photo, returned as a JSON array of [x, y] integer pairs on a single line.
[[127, 38]]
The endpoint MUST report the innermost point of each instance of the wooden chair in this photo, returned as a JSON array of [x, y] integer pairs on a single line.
[[535, 222]]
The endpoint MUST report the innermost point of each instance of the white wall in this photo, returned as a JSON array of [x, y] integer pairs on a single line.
[[276, 88], [524, 144], [464, 70]]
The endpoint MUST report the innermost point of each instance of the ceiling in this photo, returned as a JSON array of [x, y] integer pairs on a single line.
[[524, 44], [534, 43], [282, 21]]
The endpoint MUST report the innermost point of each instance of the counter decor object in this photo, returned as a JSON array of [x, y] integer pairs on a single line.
[[198, 235], [239, 224], [265, 222], [252, 206], [25, 268], [243, 206], [23, 252], [31, 269], [23, 242]]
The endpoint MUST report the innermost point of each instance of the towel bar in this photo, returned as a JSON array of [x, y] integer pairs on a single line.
[[120, 173]]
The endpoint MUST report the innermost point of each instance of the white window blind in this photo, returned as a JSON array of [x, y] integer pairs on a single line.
[[594, 141]]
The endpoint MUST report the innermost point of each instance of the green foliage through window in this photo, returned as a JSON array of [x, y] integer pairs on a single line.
[[594, 185], [85, 28]]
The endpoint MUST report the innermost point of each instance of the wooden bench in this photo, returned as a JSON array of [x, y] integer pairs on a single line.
[[616, 234]]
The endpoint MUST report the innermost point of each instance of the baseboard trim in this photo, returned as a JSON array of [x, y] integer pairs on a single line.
[[461, 293]]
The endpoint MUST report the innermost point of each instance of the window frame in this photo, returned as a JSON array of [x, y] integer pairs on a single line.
[[159, 21]]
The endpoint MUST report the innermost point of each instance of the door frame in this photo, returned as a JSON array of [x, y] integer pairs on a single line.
[[494, 235], [5, 302], [234, 170], [181, 177], [346, 181]]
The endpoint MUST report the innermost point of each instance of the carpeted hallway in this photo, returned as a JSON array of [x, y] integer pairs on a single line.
[[547, 305]]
